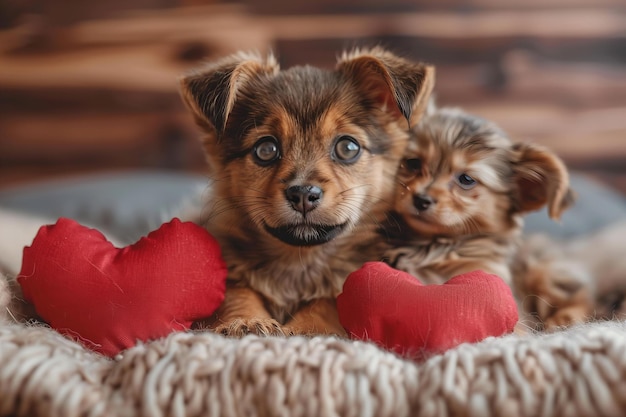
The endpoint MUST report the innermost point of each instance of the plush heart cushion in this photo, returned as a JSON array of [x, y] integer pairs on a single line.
[[398, 312], [109, 298]]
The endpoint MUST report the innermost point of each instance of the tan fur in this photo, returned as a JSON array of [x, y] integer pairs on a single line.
[[266, 237], [556, 288], [587, 275], [442, 227]]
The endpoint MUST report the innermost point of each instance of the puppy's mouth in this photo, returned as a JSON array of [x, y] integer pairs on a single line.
[[422, 218], [306, 234], [424, 223]]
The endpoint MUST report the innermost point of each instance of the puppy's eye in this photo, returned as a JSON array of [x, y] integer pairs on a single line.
[[413, 164], [347, 150], [266, 150], [465, 181]]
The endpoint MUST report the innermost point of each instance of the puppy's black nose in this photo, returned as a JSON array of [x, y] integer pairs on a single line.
[[304, 198], [422, 202]]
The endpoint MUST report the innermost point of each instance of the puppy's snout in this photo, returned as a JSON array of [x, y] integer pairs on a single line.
[[304, 198], [422, 202]]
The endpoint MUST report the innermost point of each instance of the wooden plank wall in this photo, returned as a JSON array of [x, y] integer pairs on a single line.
[[88, 88]]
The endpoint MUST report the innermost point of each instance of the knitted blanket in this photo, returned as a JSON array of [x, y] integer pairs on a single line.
[[577, 372]]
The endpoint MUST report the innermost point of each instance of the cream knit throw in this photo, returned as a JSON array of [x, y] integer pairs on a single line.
[[577, 372]]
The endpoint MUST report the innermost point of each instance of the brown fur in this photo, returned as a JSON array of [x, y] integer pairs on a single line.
[[557, 288], [286, 264], [444, 228], [586, 275]]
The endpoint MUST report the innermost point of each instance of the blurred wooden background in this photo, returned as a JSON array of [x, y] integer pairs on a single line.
[[92, 86]]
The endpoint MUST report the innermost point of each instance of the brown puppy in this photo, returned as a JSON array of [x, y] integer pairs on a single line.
[[303, 163], [463, 188]]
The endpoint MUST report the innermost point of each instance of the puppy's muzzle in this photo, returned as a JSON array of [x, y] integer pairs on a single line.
[[422, 202], [305, 231], [304, 198]]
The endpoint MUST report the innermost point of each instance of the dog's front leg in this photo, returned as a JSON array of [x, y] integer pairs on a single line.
[[243, 312], [319, 317]]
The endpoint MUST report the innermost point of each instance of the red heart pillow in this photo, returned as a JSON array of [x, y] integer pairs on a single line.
[[395, 310], [109, 298]]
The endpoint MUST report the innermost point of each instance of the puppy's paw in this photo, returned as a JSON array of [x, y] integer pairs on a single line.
[[316, 329], [260, 327], [567, 316], [562, 303], [318, 317]]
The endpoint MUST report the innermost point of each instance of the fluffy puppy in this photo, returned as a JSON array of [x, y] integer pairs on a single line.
[[302, 163], [463, 188]]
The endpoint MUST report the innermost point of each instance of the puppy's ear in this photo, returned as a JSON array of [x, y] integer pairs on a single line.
[[402, 86], [210, 92], [542, 178]]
